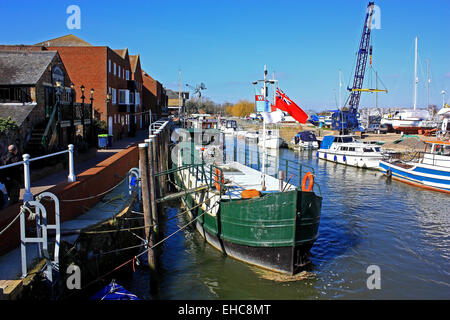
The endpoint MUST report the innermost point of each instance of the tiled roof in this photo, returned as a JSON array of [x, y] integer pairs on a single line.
[[121, 52], [146, 75], [23, 68], [17, 111], [65, 41], [133, 62]]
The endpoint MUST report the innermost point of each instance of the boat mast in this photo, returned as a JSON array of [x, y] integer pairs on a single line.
[[428, 82], [340, 87], [416, 79], [263, 175]]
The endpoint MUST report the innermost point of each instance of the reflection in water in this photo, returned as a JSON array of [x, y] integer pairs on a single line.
[[366, 220]]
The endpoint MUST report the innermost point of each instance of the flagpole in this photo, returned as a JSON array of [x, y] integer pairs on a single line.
[[263, 175]]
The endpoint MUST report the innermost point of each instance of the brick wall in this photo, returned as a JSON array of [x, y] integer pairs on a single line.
[[91, 182]]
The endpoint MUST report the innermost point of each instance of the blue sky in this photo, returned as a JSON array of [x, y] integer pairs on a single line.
[[225, 44]]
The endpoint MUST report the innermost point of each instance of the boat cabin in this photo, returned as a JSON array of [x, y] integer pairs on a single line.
[[305, 136]]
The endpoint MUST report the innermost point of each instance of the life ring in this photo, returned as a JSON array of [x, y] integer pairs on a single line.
[[216, 178], [308, 177]]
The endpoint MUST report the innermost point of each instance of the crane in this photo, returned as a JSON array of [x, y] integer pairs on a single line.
[[347, 120]]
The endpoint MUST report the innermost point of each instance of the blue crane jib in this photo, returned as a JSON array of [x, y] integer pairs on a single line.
[[346, 120]]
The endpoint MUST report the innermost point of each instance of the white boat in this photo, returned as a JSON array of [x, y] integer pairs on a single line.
[[252, 135], [272, 140], [346, 149], [229, 127], [305, 140], [431, 170], [241, 134], [411, 121]]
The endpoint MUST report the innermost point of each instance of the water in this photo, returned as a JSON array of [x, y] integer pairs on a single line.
[[366, 220]]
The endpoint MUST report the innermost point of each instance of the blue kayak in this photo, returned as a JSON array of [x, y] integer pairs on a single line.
[[113, 291]]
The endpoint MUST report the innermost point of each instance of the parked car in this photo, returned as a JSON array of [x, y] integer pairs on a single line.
[[373, 128], [382, 129]]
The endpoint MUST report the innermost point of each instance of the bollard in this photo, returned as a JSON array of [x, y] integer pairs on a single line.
[[149, 234], [151, 185], [28, 196], [72, 177], [281, 178]]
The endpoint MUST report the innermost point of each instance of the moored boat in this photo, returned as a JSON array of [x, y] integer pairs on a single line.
[[430, 170], [272, 225], [305, 140], [346, 149], [272, 140]]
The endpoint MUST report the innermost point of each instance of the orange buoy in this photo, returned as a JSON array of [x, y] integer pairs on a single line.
[[218, 176], [309, 177], [250, 193]]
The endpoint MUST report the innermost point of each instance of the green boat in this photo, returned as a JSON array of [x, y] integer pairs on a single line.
[[274, 230]]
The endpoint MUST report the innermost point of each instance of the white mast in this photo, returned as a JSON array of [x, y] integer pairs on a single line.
[[340, 88], [416, 79], [428, 82], [263, 176]]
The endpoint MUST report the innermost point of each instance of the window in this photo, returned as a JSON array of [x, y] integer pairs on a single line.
[[114, 96], [127, 75], [368, 150], [119, 72], [351, 149], [138, 101], [124, 97], [109, 65], [114, 68], [131, 97]]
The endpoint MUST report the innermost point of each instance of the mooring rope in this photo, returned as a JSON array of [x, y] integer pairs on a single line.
[[150, 248]]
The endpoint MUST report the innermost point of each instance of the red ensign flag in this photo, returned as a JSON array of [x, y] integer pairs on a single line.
[[284, 103]]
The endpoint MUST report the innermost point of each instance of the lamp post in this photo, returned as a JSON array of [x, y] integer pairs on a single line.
[[82, 110], [92, 115], [72, 120]]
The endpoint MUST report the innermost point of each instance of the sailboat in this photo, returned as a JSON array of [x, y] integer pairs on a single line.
[[411, 121]]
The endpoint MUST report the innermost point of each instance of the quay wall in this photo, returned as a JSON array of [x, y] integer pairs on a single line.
[[90, 183]]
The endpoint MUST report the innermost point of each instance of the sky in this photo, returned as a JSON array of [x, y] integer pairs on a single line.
[[225, 43]]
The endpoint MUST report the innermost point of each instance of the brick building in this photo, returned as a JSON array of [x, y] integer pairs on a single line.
[[123, 93], [118, 90], [33, 86], [154, 95]]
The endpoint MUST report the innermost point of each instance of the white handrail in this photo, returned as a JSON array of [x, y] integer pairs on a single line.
[[28, 196]]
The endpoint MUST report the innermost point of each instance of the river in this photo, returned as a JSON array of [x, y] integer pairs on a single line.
[[366, 220]]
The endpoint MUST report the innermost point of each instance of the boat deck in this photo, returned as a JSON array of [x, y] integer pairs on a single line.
[[241, 177]]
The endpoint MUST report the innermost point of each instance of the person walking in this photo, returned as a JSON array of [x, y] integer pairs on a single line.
[[12, 174]]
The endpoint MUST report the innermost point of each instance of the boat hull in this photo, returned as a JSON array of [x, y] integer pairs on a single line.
[[272, 143], [274, 232], [419, 175], [369, 162]]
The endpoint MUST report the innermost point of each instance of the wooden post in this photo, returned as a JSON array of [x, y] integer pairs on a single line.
[[151, 184], [149, 234], [156, 163]]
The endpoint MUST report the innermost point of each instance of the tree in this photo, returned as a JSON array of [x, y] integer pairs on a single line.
[[242, 108]]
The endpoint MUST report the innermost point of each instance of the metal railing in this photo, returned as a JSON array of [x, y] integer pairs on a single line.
[[28, 196], [294, 168]]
